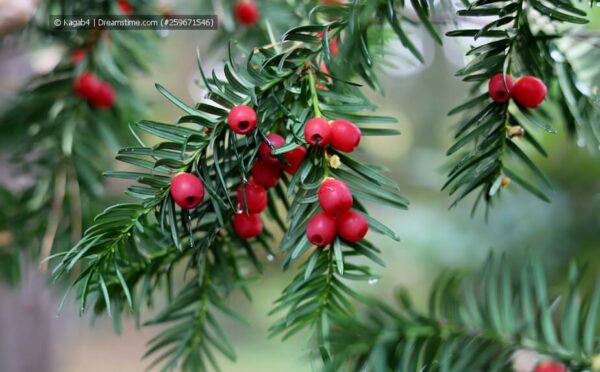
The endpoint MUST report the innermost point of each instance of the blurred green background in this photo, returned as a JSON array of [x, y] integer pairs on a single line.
[[433, 237]]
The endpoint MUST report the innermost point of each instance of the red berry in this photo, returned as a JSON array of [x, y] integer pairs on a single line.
[[78, 55], [247, 226], [264, 151], [334, 49], [497, 89], [333, 45], [325, 70], [529, 91], [104, 97], [320, 230], [294, 159], [86, 85], [335, 197], [242, 119], [265, 175], [345, 136], [256, 197], [550, 366], [352, 226], [125, 7], [317, 132], [187, 190], [246, 12]]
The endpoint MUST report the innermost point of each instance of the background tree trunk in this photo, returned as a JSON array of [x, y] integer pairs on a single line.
[[26, 321], [27, 310]]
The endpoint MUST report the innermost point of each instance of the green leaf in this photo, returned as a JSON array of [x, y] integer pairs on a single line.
[[176, 101], [469, 104], [366, 171], [424, 17], [378, 226], [339, 257], [378, 131], [476, 32], [526, 185], [591, 321], [124, 285], [404, 39], [555, 14], [528, 162], [105, 295]]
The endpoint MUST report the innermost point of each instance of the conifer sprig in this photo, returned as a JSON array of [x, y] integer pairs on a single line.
[[475, 322], [493, 136], [286, 85]]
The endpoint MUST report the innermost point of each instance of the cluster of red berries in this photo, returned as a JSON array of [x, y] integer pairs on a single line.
[[247, 223], [527, 91], [98, 93], [340, 134], [292, 158], [252, 199], [242, 120], [246, 12], [266, 171], [334, 196], [337, 218], [550, 366]]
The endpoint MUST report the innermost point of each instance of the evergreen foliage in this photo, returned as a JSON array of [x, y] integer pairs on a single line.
[[476, 322], [60, 140], [518, 42], [133, 249]]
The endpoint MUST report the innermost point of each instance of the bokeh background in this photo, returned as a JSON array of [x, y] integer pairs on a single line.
[[434, 237]]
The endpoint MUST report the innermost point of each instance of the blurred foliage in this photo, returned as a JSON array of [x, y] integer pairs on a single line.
[[57, 142], [476, 323]]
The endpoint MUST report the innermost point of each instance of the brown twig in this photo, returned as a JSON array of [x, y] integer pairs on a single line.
[[75, 204], [60, 183]]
